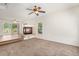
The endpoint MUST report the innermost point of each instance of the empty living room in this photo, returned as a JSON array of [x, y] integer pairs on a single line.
[[39, 29]]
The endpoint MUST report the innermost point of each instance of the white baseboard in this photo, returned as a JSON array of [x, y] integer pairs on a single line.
[[69, 41]]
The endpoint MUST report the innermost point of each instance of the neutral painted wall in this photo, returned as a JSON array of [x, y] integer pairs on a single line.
[[60, 27]]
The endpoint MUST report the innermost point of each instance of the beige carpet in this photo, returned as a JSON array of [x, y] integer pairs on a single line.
[[38, 47]]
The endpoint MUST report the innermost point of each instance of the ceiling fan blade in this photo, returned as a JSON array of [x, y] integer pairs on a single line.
[[39, 8], [28, 9], [30, 13], [42, 11]]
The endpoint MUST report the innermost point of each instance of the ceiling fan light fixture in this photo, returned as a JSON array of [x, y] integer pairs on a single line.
[[36, 10]]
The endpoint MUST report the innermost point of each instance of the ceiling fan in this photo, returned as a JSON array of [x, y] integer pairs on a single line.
[[36, 10], [3, 5]]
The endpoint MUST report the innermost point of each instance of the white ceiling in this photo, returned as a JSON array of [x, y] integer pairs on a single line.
[[17, 10]]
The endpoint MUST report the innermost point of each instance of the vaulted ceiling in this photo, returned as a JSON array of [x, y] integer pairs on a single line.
[[18, 10]]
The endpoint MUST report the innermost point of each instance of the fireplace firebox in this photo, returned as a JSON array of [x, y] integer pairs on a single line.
[[27, 30]]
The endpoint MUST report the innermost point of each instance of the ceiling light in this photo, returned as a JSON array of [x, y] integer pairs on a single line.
[[36, 10]]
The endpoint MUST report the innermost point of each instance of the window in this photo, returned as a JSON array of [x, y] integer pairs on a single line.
[[10, 28], [40, 28], [7, 28], [14, 28]]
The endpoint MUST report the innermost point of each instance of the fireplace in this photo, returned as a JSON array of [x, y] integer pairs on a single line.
[[27, 30]]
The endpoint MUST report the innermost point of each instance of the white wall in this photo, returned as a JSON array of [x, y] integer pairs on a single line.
[[61, 26]]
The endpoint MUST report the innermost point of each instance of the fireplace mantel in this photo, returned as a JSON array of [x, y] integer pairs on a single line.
[[31, 35], [28, 26]]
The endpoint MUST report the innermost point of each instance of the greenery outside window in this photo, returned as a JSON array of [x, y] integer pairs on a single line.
[[7, 28], [14, 28], [10, 28]]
